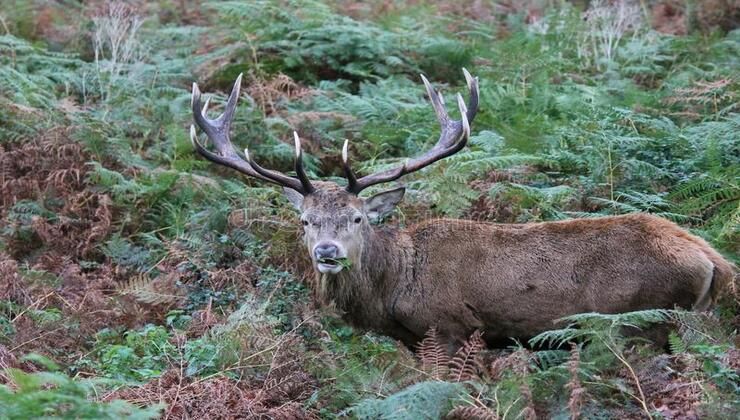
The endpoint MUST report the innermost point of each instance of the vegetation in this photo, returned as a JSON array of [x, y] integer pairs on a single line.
[[138, 280]]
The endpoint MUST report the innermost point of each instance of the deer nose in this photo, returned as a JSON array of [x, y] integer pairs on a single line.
[[325, 250]]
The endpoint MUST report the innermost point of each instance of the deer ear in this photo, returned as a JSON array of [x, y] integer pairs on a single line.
[[383, 203], [295, 198]]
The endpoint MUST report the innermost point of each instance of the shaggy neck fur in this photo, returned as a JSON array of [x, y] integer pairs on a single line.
[[361, 291]]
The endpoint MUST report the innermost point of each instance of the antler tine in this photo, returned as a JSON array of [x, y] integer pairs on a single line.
[[223, 122], [228, 115], [472, 83], [348, 172], [301, 184], [226, 155], [278, 177], [204, 111], [218, 131], [437, 102], [299, 170], [453, 137]]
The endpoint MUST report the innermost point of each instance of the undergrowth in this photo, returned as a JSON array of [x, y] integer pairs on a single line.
[[137, 280]]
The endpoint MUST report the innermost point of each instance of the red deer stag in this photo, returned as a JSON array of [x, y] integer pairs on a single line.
[[504, 280]]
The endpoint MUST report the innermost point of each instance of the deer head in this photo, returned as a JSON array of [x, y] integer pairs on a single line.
[[336, 220]]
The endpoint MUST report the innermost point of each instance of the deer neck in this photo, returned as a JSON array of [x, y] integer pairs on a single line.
[[361, 291]]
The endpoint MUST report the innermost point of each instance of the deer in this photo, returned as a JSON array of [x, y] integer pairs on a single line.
[[459, 276]]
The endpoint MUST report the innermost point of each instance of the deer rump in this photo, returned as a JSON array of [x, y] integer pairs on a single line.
[[514, 281]]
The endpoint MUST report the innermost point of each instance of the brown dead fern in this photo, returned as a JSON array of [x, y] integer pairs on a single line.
[[465, 364], [202, 320], [286, 380], [217, 397], [471, 412], [521, 367], [241, 277], [434, 358], [161, 290], [272, 95], [702, 97], [10, 278]]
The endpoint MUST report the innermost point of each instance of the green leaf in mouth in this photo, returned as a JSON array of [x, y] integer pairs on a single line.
[[343, 262]]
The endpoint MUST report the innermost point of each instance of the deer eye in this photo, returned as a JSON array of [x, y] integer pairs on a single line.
[[358, 219], [305, 222]]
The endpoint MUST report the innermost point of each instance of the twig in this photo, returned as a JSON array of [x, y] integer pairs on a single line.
[[31, 306], [34, 339], [179, 388], [642, 398], [252, 356]]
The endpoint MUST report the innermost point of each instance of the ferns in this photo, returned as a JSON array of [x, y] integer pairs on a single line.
[[126, 254], [32, 78], [151, 291], [31, 74], [53, 394], [430, 400], [574, 121], [716, 199], [537, 203], [596, 326], [317, 38], [676, 343], [434, 358], [605, 330], [317, 43], [708, 193], [636, 202], [464, 364]]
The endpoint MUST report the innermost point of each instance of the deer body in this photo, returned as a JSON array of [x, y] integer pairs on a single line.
[[505, 280], [515, 280]]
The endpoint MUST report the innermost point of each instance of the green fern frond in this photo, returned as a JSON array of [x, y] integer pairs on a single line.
[[591, 325], [431, 400], [676, 343]]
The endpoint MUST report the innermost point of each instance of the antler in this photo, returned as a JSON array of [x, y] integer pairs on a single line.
[[218, 131], [453, 138]]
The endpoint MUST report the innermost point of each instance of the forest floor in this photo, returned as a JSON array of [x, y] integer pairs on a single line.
[[137, 280]]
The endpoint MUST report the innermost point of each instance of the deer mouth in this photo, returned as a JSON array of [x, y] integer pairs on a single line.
[[332, 265]]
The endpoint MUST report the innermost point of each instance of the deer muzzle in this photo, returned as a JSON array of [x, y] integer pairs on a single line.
[[329, 257]]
